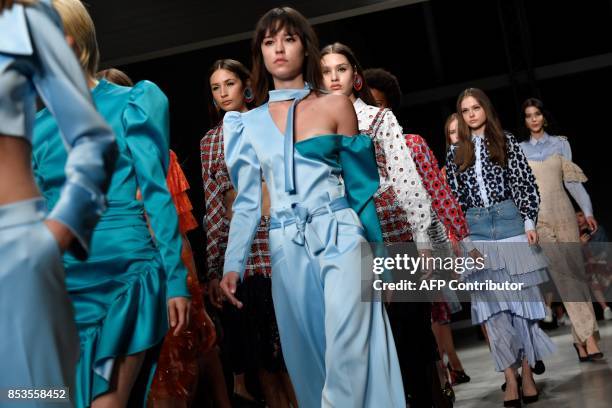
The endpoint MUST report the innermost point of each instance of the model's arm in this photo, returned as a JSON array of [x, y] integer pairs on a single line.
[[573, 177], [244, 171], [146, 123], [215, 223], [405, 179], [89, 140], [522, 182]]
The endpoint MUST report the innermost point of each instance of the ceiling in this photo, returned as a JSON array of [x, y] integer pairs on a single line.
[[139, 30]]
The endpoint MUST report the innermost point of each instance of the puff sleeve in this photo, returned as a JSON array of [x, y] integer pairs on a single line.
[[573, 177], [245, 174], [146, 123], [522, 182]]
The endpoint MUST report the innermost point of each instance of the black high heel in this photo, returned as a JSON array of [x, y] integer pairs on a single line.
[[596, 356], [580, 358], [528, 399], [458, 376], [515, 403]]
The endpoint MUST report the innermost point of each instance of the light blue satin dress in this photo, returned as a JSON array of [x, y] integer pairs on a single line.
[[119, 294], [38, 337], [338, 349]]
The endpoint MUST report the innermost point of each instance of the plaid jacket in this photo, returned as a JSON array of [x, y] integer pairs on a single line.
[[216, 183]]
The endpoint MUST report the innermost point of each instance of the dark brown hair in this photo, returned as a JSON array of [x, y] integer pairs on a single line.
[[495, 139], [235, 67], [387, 83], [339, 48], [449, 120], [296, 24], [116, 76], [549, 122]]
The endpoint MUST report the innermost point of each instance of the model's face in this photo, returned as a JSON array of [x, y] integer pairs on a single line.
[[227, 90], [453, 135], [283, 54], [338, 74], [473, 113], [534, 120], [379, 98]]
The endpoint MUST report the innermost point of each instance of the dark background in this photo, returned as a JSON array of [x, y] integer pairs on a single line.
[[558, 51]]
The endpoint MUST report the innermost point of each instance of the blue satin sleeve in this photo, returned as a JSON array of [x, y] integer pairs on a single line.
[[361, 181], [146, 123], [245, 174], [88, 139]]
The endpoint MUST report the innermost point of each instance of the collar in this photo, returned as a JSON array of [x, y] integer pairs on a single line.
[[544, 139], [478, 138], [278, 95], [359, 105]]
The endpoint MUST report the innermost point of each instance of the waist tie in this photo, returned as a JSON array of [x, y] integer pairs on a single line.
[[302, 217]]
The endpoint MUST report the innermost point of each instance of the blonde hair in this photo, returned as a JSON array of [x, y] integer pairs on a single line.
[[79, 25]]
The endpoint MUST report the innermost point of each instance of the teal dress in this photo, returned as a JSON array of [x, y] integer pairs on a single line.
[[120, 293]]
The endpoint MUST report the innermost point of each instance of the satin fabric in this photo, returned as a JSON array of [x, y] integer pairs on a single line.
[[39, 342], [119, 294], [339, 351], [35, 60]]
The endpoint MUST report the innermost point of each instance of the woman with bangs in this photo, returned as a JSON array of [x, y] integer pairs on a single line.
[[338, 349]]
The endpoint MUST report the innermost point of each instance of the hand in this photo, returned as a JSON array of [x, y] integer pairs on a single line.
[[228, 286], [178, 314], [456, 246], [584, 238], [532, 237], [6, 4], [60, 232], [592, 224], [214, 293], [475, 254]]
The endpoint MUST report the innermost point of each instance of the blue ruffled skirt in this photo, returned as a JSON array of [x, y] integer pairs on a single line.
[[510, 316]]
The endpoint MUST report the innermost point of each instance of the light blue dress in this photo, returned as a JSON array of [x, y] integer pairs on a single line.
[[38, 337], [338, 349], [119, 294]]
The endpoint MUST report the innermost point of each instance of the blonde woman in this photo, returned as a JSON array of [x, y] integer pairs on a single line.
[[128, 291]]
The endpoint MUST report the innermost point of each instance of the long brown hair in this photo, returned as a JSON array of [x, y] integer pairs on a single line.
[[296, 24], [495, 139], [338, 48], [233, 66], [449, 120]]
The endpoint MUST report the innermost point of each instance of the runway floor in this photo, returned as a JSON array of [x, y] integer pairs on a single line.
[[565, 384]]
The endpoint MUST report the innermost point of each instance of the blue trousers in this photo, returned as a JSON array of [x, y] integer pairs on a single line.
[[39, 345], [339, 350]]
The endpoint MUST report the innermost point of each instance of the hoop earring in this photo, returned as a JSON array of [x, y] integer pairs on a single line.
[[545, 123], [215, 104], [358, 84], [248, 94]]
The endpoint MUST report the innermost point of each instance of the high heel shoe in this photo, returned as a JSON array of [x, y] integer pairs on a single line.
[[458, 376], [596, 356], [515, 403], [528, 399], [580, 358]]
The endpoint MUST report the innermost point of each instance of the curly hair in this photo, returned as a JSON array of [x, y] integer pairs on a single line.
[[387, 83]]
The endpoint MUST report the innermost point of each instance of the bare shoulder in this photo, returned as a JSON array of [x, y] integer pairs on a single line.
[[335, 103]]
